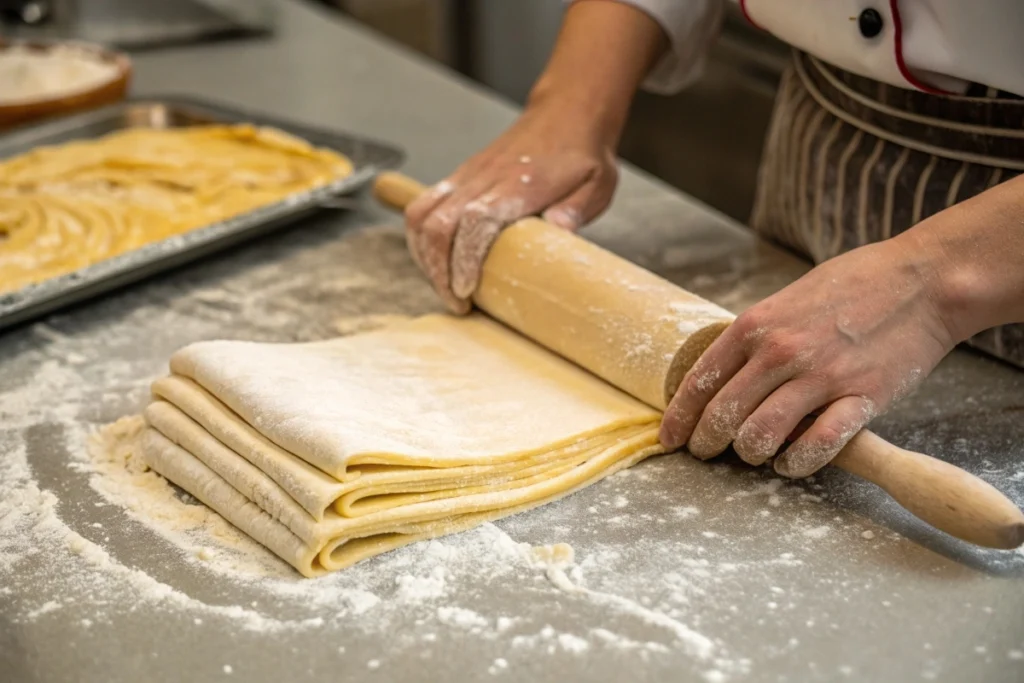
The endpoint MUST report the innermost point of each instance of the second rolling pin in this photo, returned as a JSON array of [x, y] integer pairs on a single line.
[[641, 334]]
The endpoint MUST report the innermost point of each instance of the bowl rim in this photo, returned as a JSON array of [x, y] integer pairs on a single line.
[[120, 60]]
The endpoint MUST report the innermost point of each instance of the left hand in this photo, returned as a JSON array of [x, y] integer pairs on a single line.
[[846, 340]]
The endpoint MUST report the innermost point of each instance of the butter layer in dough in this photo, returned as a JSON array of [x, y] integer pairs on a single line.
[[375, 487], [331, 452]]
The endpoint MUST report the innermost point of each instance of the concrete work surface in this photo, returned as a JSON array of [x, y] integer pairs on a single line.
[[680, 570]]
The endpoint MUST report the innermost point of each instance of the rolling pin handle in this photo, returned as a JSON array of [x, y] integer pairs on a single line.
[[943, 495], [396, 191]]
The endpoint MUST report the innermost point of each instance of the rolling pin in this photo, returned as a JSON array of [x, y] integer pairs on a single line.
[[642, 334]]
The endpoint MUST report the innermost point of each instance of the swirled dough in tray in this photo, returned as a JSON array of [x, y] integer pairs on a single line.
[[68, 206], [331, 452]]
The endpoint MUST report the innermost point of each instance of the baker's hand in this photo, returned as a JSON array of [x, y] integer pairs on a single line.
[[550, 162], [847, 340]]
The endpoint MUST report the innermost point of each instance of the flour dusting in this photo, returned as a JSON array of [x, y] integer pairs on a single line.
[[29, 74], [682, 586]]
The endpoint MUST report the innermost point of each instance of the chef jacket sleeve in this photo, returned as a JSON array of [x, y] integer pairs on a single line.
[[691, 27]]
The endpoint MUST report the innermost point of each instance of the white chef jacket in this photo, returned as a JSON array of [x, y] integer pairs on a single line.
[[930, 45]]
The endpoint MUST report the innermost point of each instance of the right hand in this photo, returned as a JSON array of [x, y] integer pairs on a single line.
[[551, 162]]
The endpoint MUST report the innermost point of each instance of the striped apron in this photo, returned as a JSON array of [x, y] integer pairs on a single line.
[[849, 161]]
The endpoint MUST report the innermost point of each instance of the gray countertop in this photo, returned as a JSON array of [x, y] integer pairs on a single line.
[[683, 570]]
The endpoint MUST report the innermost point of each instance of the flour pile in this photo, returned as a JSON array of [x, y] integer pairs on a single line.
[[29, 74]]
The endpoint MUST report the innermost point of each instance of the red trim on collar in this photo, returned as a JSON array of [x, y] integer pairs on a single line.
[[746, 15], [901, 64]]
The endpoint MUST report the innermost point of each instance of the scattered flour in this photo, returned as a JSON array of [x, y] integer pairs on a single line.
[[692, 316], [686, 512], [620, 642], [551, 641], [652, 598], [426, 574], [574, 644], [419, 588], [695, 644], [817, 532], [45, 608], [463, 618], [772, 487]]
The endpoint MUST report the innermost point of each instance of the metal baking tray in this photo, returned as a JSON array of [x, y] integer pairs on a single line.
[[367, 156]]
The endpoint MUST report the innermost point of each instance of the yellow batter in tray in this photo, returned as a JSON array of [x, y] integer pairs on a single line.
[[69, 206]]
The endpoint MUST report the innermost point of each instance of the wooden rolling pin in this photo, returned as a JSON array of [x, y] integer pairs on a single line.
[[641, 334]]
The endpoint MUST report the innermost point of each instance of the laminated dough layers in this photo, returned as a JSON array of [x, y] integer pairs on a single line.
[[331, 452]]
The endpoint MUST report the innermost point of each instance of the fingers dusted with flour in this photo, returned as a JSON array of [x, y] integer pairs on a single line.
[[531, 185], [431, 241], [841, 344], [826, 436], [556, 161], [700, 385], [451, 228]]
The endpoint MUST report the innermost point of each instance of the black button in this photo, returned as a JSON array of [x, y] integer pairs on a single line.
[[870, 23]]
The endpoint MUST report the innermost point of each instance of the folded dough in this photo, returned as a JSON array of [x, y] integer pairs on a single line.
[[332, 452]]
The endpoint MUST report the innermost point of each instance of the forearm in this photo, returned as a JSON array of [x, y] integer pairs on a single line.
[[604, 50], [976, 255]]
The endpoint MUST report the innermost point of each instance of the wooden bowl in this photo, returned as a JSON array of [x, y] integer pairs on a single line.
[[74, 99]]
